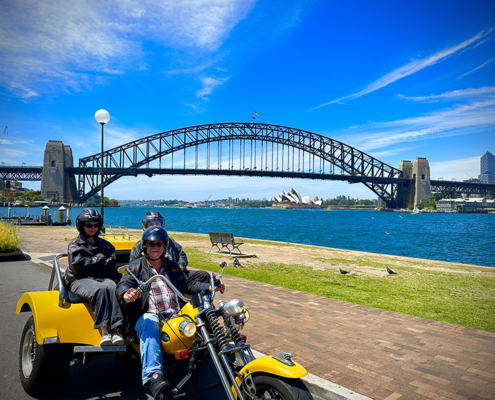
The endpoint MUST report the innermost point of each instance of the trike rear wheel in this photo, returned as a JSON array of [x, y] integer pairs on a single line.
[[42, 369]]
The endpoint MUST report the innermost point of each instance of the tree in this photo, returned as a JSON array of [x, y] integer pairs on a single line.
[[54, 199]]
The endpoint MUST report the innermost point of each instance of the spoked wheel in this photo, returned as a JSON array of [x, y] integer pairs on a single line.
[[42, 369], [275, 387]]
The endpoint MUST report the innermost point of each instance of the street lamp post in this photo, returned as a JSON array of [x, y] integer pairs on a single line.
[[102, 117]]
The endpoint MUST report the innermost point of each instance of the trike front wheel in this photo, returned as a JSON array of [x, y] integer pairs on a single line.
[[275, 387]]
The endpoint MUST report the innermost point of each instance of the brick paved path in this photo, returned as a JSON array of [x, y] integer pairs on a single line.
[[380, 354]]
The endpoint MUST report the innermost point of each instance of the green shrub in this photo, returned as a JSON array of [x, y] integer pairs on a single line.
[[9, 237]]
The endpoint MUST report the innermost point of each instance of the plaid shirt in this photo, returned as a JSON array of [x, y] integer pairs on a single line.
[[162, 300]]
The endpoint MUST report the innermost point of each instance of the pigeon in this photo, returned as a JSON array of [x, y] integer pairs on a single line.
[[237, 264], [343, 272], [391, 272]]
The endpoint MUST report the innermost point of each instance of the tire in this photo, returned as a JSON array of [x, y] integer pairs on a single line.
[[42, 368], [275, 387]]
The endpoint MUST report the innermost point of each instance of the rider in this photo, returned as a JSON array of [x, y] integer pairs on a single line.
[[159, 303], [92, 274], [173, 251]]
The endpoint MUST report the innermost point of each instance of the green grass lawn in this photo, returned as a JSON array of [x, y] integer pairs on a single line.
[[465, 299]]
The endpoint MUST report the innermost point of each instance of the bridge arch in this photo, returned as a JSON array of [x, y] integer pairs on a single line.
[[270, 150]]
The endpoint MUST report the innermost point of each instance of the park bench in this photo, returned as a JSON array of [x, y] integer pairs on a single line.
[[225, 240]]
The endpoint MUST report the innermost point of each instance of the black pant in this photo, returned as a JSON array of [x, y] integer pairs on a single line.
[[103, 299], [200, 276]]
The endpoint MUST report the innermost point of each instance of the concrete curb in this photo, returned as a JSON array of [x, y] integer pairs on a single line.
[[325, 389]]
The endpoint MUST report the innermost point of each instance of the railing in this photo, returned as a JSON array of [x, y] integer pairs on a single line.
[[116, 230]]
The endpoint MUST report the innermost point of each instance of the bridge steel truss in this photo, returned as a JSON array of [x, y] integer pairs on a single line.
[[20, 173], [242, 149], [439, 186]]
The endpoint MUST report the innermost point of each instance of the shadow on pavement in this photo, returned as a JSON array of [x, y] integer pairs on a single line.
[[19, 257]]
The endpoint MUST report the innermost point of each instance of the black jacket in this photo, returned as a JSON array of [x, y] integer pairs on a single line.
[[143, 272], [174, 252], [91, 260]]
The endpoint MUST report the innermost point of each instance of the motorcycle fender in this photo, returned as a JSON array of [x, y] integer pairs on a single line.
[[72, 323], [269, 365]]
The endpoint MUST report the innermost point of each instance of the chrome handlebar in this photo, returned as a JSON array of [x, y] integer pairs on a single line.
[[167, 281]]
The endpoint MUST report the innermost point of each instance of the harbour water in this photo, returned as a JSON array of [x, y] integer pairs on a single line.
[[463, 238]]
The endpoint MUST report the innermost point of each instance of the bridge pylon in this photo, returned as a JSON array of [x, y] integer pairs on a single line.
[[55, 181], [419, 191], [421, 176]]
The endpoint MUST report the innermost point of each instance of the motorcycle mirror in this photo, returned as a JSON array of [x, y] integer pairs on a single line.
[[125, 269], [223, 264]]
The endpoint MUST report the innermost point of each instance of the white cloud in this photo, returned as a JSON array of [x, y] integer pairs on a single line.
[[470, 92], [12, 156], [475, 69], [45, 41], [390, 152], [459, 169], [209, 85], [459, 120], [408, 69]]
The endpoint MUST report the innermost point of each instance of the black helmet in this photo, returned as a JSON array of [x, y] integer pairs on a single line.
[[154, 233], [152, 216], [88, 215]]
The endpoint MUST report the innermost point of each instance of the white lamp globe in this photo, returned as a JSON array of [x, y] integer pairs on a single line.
[[102, 116]]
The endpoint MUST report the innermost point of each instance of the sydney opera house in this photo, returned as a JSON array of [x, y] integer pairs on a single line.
[[295, 200]]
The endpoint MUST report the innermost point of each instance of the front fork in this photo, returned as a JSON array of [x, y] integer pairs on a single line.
[[224, 377]]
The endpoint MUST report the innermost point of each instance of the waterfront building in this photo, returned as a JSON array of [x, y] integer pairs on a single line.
[[466, 205], [487, 168]]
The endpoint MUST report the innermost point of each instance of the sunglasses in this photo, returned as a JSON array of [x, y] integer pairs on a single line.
[[97, 225], [157, 244]]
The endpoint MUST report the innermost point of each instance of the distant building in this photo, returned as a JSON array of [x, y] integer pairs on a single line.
[[471, 205], [487, 168]]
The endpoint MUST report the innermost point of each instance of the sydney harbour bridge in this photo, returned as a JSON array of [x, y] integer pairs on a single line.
[[235, 149]]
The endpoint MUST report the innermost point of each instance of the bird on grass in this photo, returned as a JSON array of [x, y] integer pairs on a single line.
[[343, 272], [237, 264], [391, 272]]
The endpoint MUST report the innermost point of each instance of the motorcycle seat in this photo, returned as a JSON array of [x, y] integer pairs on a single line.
[[71, 297]]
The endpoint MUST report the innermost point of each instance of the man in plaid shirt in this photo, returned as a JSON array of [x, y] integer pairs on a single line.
[[159, 302]]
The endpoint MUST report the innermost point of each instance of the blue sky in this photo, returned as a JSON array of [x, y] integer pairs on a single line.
[[398, 80]]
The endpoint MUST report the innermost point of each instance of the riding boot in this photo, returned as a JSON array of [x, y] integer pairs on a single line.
[[160, 388]]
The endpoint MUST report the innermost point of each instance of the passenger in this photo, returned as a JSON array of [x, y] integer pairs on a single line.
[[146, 313], [174, 250], [92, 274]]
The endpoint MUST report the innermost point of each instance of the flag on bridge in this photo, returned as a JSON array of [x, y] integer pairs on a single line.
[[253, 117], [256, 113]]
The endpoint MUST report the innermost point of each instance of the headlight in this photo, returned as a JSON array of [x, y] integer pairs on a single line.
[[234, 307], [187, 328]]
